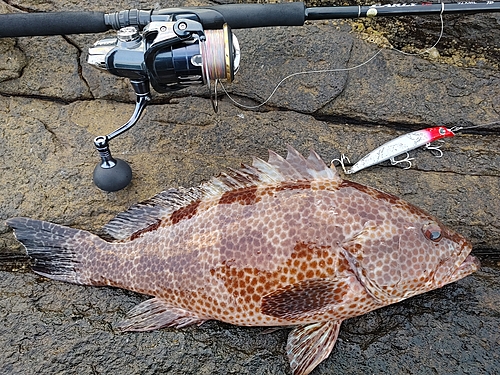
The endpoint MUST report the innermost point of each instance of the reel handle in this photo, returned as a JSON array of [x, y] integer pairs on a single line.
[[112, 174]]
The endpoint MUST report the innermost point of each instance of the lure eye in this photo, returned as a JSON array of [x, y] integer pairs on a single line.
[[432, 232]]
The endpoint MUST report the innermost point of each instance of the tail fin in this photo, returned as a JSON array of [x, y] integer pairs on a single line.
[[58, 251]]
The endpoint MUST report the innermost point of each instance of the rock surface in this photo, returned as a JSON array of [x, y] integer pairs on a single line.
[[51, 328], [52, 104]]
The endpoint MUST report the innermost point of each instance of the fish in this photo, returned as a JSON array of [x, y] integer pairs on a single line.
[[285, 242]]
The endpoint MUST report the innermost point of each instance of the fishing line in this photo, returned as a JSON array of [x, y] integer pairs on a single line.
[[297, 74], [336, 70], [434, 45], [215, 59], [212, 51], [456, 129]]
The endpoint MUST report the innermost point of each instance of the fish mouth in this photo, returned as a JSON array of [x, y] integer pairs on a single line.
[[472, 262], [470, 265]]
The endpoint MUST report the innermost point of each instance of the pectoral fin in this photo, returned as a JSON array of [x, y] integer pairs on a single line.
[[309, 345], [156, 313], [305, 298]]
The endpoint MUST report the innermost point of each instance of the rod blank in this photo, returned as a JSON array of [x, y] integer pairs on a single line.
[[393, 10]]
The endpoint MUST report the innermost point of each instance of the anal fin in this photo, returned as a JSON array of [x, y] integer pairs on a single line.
[[156, 313], [309, 345]]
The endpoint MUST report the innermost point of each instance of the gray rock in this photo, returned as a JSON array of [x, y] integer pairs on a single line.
[[438, 94], [50, 327], [304, 60], [12, 60], [59, 79]]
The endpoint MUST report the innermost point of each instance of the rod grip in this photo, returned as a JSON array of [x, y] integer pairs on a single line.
[[244, 16], [56, 23]]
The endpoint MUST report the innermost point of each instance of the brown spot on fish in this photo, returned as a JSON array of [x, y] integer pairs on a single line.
[[245, 196], [293, 185], [456, 238], [300, 299], [380, 195], [150, 228], [185, 213], [376, 194]]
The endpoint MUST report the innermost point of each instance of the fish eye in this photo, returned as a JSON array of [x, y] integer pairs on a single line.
[[432, 231]]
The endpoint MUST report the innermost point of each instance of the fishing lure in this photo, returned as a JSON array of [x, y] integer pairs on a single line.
[[399, 146]]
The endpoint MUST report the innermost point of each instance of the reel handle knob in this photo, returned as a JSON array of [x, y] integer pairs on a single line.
[[113, 179], [110, 174], [114, 174]]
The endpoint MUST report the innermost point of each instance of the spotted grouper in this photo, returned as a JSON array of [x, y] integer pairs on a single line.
[[280, 243]]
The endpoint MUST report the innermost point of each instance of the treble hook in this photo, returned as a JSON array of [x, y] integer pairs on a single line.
[[406, 159], [342, 160], [438, 152]]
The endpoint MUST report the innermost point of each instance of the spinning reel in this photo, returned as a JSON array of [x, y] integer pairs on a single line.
[[174, 48], [168, 55]]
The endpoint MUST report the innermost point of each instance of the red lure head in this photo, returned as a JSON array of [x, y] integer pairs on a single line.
[[439, 132]]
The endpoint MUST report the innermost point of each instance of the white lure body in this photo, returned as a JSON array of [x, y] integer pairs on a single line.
[[401, 145]]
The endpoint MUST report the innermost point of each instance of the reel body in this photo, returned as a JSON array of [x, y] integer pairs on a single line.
[[168, 55], [171, 55]]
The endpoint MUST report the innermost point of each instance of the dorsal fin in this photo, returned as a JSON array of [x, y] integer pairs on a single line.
[[153, 211], [150, 212], [286, 169]]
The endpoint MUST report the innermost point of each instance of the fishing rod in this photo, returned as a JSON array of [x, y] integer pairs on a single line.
[[236, 16], [174, 48]]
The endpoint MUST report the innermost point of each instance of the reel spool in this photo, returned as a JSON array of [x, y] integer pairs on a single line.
[[220, 54], [205, 56], [168, 55]]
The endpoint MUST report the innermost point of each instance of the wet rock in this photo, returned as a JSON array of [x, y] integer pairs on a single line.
[[52, 105], [459, 41], [400, 89], [67, 328], [304, 61]]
